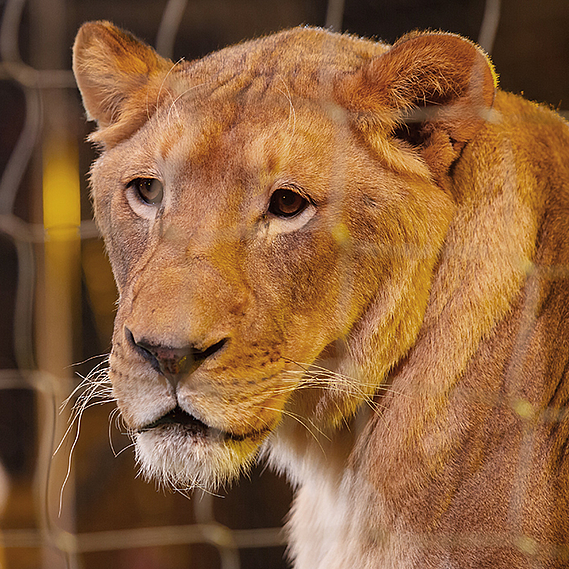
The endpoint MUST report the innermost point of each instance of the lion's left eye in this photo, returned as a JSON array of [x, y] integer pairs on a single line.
[[287, 203], [148, 190]]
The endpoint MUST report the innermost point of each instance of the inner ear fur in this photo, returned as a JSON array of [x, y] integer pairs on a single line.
[[120, 79], [433, 90]]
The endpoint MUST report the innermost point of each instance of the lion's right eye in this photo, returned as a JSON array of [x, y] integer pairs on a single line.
[[148, 190], [287, 203]]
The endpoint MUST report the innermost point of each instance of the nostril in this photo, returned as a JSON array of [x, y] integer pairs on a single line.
[[172, 362], [201, 355], [143, 348]]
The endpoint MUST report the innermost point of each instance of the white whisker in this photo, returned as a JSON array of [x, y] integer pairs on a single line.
[[165, 78], [292, 112], [94, 389], [174, 102], [117, 454], [300, 420]]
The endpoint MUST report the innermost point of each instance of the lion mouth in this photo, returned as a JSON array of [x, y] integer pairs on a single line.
[[178, 417], [190, 425]]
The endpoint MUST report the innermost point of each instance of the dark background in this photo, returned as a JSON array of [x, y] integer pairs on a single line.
[[531, 54]]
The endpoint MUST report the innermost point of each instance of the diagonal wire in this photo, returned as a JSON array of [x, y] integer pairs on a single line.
[[334, 15], [489, 26], [169, 25]]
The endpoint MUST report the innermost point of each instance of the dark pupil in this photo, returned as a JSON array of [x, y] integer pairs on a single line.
[[150, 190], [287, 203]]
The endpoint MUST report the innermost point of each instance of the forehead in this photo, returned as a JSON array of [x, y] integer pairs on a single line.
[[257, 129], [258, 104]]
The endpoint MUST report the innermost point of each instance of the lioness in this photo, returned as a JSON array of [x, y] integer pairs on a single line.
[[351, 259]]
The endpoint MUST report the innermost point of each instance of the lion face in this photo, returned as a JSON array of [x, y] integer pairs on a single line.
[[253, 230]]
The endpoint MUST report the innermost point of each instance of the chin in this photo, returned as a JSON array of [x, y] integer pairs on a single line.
[[180, 458]]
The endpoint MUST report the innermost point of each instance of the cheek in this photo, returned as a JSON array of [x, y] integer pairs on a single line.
[[125, 235], [126, 239], [302, 268], [306, 282]]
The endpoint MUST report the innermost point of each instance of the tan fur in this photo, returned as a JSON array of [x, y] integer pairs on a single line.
[[399, 348]]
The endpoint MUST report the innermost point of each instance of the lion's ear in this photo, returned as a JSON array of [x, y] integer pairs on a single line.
[[434, 90], [119, 78]]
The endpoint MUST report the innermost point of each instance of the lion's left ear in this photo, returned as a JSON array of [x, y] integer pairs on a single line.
[[434, 90]]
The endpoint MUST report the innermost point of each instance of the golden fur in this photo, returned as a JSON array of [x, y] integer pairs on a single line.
[[399, 346]]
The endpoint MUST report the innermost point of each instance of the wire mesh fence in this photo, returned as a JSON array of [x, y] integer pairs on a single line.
[[58, 296]]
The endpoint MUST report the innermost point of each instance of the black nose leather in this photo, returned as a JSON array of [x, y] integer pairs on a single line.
[[172, 363]]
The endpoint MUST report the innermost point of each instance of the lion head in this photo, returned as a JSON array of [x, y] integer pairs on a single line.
[[273, 214]]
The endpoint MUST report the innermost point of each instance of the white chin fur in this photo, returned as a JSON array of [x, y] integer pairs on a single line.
[[177, 459]]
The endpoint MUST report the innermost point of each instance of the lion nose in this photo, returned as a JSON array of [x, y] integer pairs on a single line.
[[172, 363]]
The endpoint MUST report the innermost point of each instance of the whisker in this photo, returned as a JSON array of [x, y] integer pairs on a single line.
[[105, 356], [173, 103], [117, 454], [113, 417], [292, 112], [165, 78], [76, 414], [93, 389], [300, 420], [68, 473], [330, 374]]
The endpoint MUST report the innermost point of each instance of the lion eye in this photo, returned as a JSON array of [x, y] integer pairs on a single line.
[[149, 190], [287, 203]]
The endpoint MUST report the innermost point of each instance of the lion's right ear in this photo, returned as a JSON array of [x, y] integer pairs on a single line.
[[120, 79], [433, 90]]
